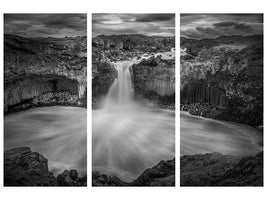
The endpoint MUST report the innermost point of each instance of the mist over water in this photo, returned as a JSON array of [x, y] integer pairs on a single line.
[[129, 137], [58, 133], [200, 135]]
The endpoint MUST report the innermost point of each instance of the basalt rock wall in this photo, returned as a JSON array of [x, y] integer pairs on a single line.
[[155, 78], [34, 86], [226, 73], [203, 92], [34, 67]]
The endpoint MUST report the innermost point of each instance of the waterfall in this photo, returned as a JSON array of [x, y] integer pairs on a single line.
[[121, 91], [129, 137], [81, 90]]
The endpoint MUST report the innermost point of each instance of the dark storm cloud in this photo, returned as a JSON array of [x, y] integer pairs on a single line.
[[215, 25], [224, 24], [147, 24], [44, 25], [235, 25], [154, 17]]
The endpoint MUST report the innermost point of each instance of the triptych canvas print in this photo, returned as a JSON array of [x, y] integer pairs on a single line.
[[133, 99]]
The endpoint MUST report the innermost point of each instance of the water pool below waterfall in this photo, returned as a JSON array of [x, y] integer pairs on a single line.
[[200, 135], [58, 133]]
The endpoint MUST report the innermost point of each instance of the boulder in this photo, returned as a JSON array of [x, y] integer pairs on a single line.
[[22, 167], [163, 174]]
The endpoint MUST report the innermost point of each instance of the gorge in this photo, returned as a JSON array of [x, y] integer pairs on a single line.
[[128, 136]]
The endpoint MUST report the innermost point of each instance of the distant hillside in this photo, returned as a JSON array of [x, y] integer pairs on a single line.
[[196, 45], [133, 42]]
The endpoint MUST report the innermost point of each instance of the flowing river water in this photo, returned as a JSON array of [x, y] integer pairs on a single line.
[[58, 133], [129, 137]]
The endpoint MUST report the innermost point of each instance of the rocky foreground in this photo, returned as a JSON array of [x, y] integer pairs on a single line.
[[215, 169], [22, 167], [163, 174]]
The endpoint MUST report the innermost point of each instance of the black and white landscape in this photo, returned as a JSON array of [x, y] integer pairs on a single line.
[[45, 86], [221, 99], [133, 99]]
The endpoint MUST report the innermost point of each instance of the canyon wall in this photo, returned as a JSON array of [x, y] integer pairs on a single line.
[[50, 68], [225, 76], [154, 79], [203, 92]]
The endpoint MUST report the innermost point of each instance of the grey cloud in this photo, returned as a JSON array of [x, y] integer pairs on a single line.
[[39, 25], [155, 17], [215, 25]]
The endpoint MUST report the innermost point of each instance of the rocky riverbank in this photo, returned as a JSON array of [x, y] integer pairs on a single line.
[[215, 169], [163, 174], [22, 167], [222, 113]]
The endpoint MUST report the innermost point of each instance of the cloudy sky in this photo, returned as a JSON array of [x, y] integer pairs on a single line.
[[147, 24], [214, 25], [45, 25]]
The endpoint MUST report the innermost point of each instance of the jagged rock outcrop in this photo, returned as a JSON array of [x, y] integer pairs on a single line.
[[71, 178], [215, 169], [103, 75], [38, 66], [22, 167], [226, 73], [163, 174], [154, 78]]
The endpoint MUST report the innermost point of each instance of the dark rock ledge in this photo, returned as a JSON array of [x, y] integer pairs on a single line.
[[22, 167], [163, 174], [215, 169]]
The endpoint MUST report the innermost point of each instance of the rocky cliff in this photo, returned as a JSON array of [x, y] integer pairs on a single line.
[[39, 69], [154, 79], [163, 174], [103, 75], [22, 167], [215, 169], [225, 73]]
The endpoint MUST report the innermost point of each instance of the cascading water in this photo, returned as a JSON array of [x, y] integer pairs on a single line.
[[121, 91], [129, 137]]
